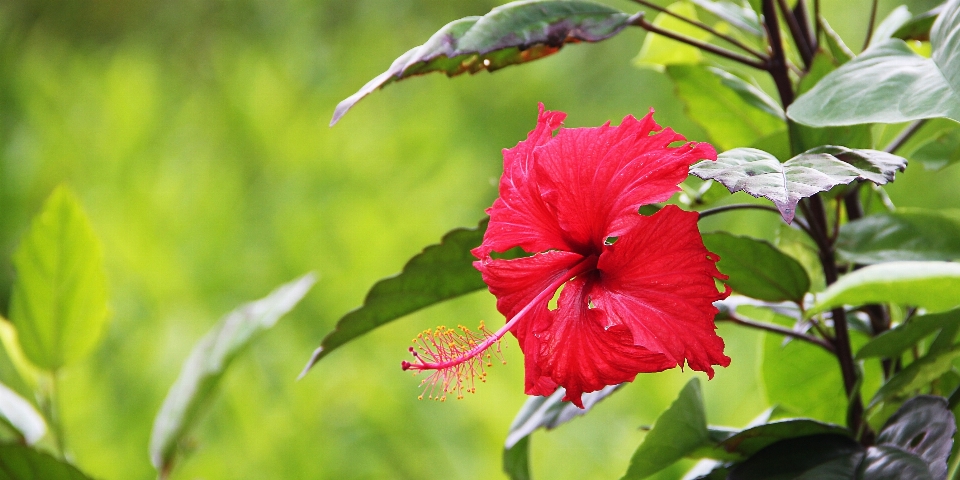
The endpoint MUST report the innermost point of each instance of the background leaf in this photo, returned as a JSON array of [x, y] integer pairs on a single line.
[[757, 269], [514, 33], [821, 457], [738, 14], [918, 27], [907, 234], [917, 375], [208, 361], [18, 462], [709, 94], [439, 273], [931, 285], [516, 460], [19, 413], [59, 303], [888, 463], [892, 343], [746, 443], [760, 174], [658, 51], [945, 43], [679, 431]]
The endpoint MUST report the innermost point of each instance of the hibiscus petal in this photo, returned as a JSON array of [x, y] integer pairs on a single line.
[[518, 282], [657, 280], [519, 217], [578, 353], [597, 178]]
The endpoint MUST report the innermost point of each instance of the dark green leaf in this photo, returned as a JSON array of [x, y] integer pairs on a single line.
[[204, 368], [516, 460], [738, 14], [894, 342], [888, 83], [924, 427], [840, 52], [931, 285], [707, 97], [439, 273], [757, 269], [918, 27], [762, 175], [19, 413], [889, 463], [514, 33], [551, 412], [59, 303], [748, 442], [19, 462], [821, 457], [679, 431], [902, 235], [917, 375]]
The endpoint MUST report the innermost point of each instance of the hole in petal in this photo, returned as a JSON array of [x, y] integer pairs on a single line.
[[554, 302], [610, 241]]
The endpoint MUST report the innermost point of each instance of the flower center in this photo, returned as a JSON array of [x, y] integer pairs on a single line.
[[458, 357]]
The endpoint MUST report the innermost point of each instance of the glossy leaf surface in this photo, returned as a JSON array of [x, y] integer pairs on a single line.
[[19, 462], [924, 427], [932, 285], [514, 33], [760, 174], [902, 235], [439, 273], [59, 304], [208, 361]]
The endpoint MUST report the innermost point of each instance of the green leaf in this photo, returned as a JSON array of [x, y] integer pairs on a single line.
[[551, 412], [746, 443], [940, 150], [917, 375], [707, 95], [19, 413], [894, 342], [924, 427], [840, 52], [802, 378], [945, 43], [19, 462], [760, 174], [516, 460], [918, 27], [888, 83], [510, 34], [679, 431], [59, 303], [200, 376], [814, 457], [852, 136], [658, 51], [740, 15], [892, 23], [757, 269], [931, 285], [439, 273], [907, 234]]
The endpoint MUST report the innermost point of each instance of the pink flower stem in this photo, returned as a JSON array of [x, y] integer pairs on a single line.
[[582, 266]]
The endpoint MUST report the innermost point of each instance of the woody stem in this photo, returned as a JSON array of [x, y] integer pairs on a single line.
[[580, 267]]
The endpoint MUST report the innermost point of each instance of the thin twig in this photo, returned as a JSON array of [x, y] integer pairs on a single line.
[[740, 206], [905, 135], [800, 12], [798, 38], [641, 22], [873, 19], [777, 65], [769, 327], [706, 28]]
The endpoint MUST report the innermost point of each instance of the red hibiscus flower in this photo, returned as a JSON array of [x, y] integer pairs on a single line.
[[608, 293]]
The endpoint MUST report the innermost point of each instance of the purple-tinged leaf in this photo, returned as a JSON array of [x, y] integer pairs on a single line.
[[517, 32], [760, 174], [924, 427]]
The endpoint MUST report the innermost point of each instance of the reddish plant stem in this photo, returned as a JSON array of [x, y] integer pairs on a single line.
[[777, 65], [873, 19], [641, 22], [704, 27], [806, 53], [782, 331]]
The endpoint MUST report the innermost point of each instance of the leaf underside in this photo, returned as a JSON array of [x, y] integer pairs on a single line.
[[514, 33]]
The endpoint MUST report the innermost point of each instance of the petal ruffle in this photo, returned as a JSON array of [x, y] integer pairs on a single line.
[[658, 281], [519, 217], [516, 283], [597, 178], [579, 353]]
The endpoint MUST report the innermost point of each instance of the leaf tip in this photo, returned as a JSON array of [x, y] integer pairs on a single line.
[[317, 355]]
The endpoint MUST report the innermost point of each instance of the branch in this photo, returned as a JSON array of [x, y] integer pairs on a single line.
[[904, 136], [873, 19], [777, 65], [639, 21], [706, 28], [798, 38], [740, 206], [769, 327]]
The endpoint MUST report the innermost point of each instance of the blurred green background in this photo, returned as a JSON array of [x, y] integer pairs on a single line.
[[195, 134]]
